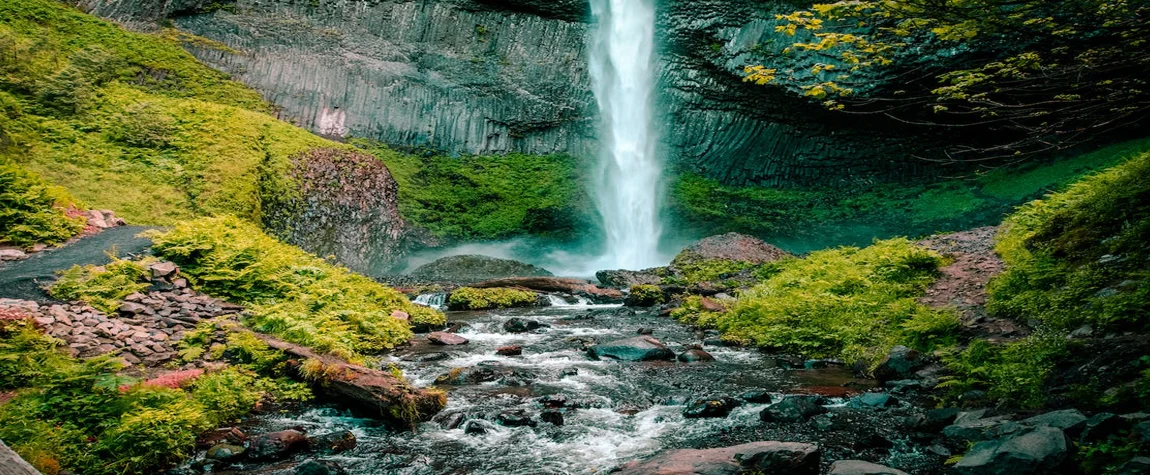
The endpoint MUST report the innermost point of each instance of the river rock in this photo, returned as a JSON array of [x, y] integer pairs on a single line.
[[516, 418], [1069, 420], [333, 442], [277, 445], [473, 268], [639, 348], [900, 363], [163, 269], [552, 416], [319, 467], [757, 397], [225, 452], [478, 427], [733, 247], [710, 407], [553, 400], [935, 420], [859, 467], [11, 254], [791, 409], [791, 458], [1042, 450], [626, 278], [472, 375], [510, 350], [1135, 466], [519, 325], [694, 354], [873, 400], [967, 430], [444, 338]]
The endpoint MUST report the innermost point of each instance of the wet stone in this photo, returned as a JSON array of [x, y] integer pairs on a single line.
[[516, 418], [552, 417], [710, 407]]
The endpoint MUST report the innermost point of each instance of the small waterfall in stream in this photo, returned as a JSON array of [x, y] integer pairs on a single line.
[[437, 300], [626, 189]]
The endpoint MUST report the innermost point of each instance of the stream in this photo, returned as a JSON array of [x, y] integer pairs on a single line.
[[612, 411]]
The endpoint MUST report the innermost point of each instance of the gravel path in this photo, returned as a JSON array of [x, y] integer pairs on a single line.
[[23, 279]]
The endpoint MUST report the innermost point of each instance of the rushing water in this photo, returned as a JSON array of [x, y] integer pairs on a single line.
[[615, 411], [627, 183]]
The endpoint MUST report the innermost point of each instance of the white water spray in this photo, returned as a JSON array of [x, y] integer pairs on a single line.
[[627, 184]]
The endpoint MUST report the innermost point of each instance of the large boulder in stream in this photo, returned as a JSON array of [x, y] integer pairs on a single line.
[[730, 247], [792, 458], [639, 348], [859, 467], [467, 269]]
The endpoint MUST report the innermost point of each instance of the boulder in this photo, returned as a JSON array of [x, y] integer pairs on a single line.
[[552, 416], [553, 400], [1041, 450], [979, 429], [626, 278], [467, 269], [733, 247], [935, 420], [1101, 426], [557, 284], [516, 418], [444, 338], [225, 452], [510, 350], [757, 397], [873, 400], [319, 467], [792, 458], [639, 348], [277, 445], [11, 254], [900, 363], [478, 427], [400, 315], [519, 325], [1069, 420], [694, 354], [163, 269], [791, 409], [333, 442], [710, 407], [859, 467], [465, 376], [1135, 466]]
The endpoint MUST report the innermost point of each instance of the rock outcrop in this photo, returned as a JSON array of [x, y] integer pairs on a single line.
[[793, 458], [467, 269]]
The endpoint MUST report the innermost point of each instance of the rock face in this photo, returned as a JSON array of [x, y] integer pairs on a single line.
[[640, 348], [340, 203], [495, 76], [792, 458], [468, 269]]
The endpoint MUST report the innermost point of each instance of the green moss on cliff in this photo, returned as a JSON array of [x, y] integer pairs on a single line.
[[825, 216], [470, 298], [491, 196]]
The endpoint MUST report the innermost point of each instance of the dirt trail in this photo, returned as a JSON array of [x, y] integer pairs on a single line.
[[23, 279], [963, 283]]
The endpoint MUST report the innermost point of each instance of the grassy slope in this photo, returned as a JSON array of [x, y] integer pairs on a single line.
[[817, 218]]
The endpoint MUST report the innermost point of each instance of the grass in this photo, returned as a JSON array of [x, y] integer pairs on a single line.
[[470, 298], [489, 197], [908, 209], [848, 303], [291, 294]]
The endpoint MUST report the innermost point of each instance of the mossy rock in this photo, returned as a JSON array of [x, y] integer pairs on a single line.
[[468, 269]]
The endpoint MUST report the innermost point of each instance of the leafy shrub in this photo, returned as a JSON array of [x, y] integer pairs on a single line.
[[102, 287], [24, 353], [847, 302], [694, 270], [291, 294], [692, 312], [1013, 374], [645, 296], [469, 298], [228, 395], [30, 211], [145, 438], [1078, 257]]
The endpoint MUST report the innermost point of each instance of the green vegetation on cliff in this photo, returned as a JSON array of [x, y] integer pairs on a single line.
[[291, 294], [491, 196], [31, 211], [888, 209]]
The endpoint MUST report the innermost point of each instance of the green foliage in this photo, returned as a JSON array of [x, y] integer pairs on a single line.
[[1013, 374], [691, 269], [645, 295], [1107, 456], [24, 353], [692, 312], [825, 216], [30, 210], [291, 294], [847, 302], [149, 437], [489, 197], [228, 394], [1078, 257], [470, 298], [102, 287]]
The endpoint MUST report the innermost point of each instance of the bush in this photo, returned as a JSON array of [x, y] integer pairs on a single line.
[[228, 394], [691, 312], [645, 296], [102, 287], [469, 298], [1014, 374], [30, 210], [1078, 257], [290, 294], [25, 353], [847, 303]]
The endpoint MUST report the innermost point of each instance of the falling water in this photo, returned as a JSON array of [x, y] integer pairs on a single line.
[[627, 184]]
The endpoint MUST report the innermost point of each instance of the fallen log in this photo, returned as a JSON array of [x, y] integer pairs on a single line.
[[367, 391], [556, 284]]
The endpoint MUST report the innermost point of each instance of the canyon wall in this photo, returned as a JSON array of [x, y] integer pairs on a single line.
[[494, 76]]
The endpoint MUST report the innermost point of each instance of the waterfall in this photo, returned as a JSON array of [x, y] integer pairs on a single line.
[[626, 188], [437, 300]]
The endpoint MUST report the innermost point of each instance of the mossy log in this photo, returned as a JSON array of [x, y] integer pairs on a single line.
[[556, 284], [370, 392]]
